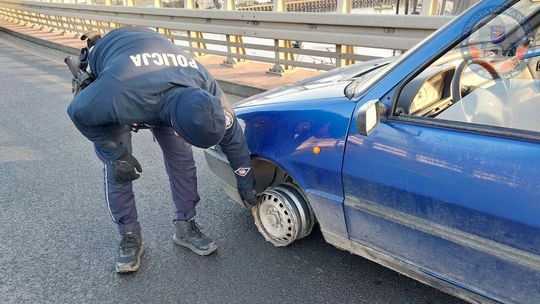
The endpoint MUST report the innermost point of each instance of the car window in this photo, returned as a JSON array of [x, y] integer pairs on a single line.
[[491, 78]]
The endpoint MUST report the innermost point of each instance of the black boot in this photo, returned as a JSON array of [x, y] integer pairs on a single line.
[[188, 234], [129, 252]]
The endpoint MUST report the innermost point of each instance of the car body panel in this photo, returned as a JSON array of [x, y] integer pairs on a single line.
[[300, 93], [326, 85], [284, 135], [452, 187]]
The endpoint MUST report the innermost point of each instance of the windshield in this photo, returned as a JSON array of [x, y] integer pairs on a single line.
[[512, 20], [490, 78], [361, 87]]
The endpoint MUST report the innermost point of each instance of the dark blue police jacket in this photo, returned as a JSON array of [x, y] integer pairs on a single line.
[[135, 70]]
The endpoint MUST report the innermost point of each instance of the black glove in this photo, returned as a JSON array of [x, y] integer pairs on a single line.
[[249, 198], [124, 168]]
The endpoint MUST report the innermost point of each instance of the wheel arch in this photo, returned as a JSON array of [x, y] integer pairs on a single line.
[[270, 174], [284, 213]]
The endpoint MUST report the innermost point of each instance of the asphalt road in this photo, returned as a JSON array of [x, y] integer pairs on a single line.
[[58, 243]]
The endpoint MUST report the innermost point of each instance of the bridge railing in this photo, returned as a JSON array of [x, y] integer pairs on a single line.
[[311, 40]]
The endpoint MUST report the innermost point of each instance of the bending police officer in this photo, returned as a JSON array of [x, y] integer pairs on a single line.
[[141, 78]]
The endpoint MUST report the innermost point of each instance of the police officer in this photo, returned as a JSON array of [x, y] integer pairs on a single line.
[[141, 78]]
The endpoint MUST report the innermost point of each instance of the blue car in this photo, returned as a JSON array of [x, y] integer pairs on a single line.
[[428, 163]]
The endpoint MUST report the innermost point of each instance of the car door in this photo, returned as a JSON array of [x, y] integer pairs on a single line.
[[460, 205], [451, 189]]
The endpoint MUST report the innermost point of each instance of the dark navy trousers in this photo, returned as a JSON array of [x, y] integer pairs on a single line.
[[180, 167]]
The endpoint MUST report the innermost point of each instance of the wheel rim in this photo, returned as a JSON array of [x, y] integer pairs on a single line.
[[283, 216]]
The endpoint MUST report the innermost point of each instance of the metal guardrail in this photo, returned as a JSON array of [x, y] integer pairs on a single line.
[[239, 35], [322, 6]]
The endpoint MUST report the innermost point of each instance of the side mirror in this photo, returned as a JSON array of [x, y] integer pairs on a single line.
[[367, 117]]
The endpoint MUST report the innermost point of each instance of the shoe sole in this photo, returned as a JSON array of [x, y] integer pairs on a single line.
[[126, 268], [183, 243]]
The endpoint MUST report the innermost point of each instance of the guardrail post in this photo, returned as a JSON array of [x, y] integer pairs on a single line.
[[430, 7], [91, 25], [22, 16], [3, 12], [189, 4], [11, 15], [6, 15], [198, 44], [48, 21], [32, 19], [61, 25], [344, 7], [40, 20], [163, 31], [128, 3], [235, 40], [111, 25], [60, 21], [18, 18], [76, 23], [14, 15], [278, 68], [56, 24], [94, 25]]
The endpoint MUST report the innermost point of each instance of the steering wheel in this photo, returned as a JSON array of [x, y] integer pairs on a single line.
[[455, 89]]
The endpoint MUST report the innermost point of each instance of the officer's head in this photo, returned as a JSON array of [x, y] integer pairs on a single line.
[[197, 117]]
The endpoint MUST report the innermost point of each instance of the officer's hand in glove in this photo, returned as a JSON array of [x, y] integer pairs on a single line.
[[124, 168], [249, 197]]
